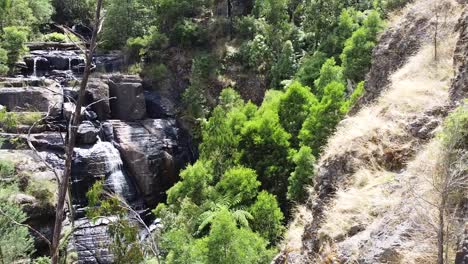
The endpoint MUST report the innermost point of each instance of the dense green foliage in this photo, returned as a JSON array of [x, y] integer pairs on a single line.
[[255, 161], [13, 42], [15, 242], [20, 20]]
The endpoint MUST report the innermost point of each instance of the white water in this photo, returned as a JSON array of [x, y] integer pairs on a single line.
[[69, 64], [116, 179], [35, 67]]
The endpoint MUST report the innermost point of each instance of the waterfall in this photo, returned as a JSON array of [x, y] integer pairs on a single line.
[[104, 159], [35, 67], [69, 63]]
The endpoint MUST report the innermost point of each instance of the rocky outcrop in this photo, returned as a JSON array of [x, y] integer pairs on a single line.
[[128, 101], [459, 88], [87, 133], [46, 60], [30, 99], [97, 94], [399, 42], [158, 106], [154, 150]]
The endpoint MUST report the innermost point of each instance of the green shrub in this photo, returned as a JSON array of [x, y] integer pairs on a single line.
[[10, 120], [3, 62], [59, 37], [244, 26], [41, 190], [13, 42], [135, 69], [188, 33], [42, 260], [302, 176], [309, 69], [7, 168], [16, 244]]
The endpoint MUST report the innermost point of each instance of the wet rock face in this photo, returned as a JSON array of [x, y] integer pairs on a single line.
[[154, 150], [129, 101], [100, 161], [459, 88], [45, 60], [29, 99], [158, 106], [91, 241]]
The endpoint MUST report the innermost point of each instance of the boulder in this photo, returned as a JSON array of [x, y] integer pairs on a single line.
[[31, 99], [22, 199], [129, 101], [87, 133], [97, 94], [154, 150]]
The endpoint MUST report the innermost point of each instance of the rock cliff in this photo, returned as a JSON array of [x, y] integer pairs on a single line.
[[365, 206]]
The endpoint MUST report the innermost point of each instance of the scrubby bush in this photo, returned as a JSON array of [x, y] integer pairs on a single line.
[[40, 191], [14, 39], [188, 33], [54, 37], [59, 37], [15, 242], [3, 62], [10, 120], [244, 27], [7, 168]]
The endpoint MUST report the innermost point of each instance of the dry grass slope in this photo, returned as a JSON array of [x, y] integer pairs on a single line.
[[376, 215]]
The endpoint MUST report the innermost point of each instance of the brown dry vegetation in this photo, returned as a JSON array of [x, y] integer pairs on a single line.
[[378, 214]]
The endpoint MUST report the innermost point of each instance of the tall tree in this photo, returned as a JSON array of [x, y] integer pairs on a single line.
[[71, 137]]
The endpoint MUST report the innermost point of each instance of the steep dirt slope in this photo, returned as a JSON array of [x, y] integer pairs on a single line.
[[366, 206]]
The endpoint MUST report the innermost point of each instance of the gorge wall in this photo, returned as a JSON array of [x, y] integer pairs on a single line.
[[366, 205], [129, 138]]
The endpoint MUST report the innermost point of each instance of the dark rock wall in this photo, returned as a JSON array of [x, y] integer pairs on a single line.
[[459, 88]]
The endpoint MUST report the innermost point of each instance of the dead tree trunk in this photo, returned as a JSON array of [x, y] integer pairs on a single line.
[[440, 231], [71, 139]]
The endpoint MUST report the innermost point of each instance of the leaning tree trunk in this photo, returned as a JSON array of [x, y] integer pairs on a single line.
[[71, 138]]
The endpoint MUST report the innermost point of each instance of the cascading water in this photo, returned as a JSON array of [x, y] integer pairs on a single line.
[[35, 67], [69, 64], [107, 162]]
